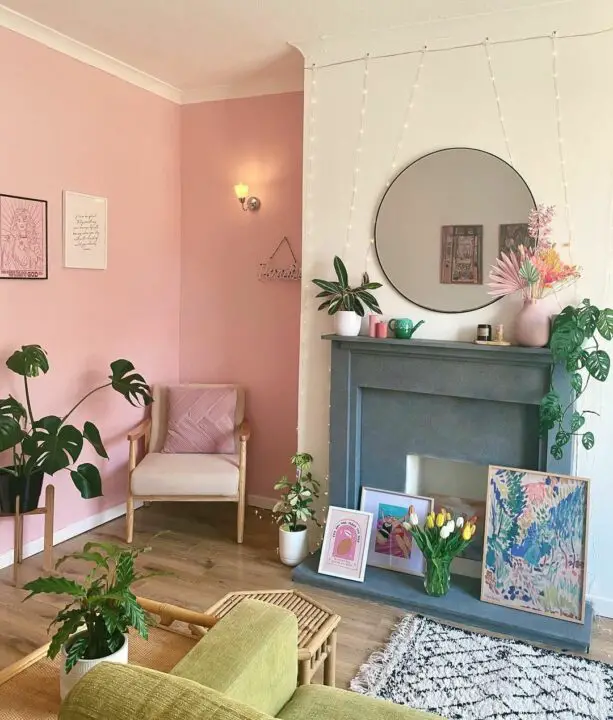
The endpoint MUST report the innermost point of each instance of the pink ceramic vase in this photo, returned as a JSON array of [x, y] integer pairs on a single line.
[[533, 324]]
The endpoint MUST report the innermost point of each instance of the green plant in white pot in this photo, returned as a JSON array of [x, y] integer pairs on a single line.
[[295, 509], [345, 303]]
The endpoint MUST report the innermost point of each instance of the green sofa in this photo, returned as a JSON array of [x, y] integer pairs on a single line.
[[245, 668]]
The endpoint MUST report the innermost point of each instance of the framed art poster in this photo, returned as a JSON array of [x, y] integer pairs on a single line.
[[461, 254], [23, 238], [536, 542], [511, 236], [345, 546], [391, 546], [85, 236]]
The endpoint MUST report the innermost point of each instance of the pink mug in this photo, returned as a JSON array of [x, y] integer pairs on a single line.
[[381, 330]]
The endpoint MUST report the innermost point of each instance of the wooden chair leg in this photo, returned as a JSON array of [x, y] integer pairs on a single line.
[[49, 511], [129, 519], [240, 519]]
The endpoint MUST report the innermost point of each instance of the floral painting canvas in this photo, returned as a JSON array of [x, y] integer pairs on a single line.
[[536, 542]]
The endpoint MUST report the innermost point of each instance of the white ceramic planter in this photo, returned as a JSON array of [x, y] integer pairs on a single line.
[[69, 680], [293, 546], [347, 323]]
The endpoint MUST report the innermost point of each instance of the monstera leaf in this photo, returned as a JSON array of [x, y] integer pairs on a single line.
[[87, 480], [11, 412], [130, 384], [92, 435], [53, 446], [30, 361]]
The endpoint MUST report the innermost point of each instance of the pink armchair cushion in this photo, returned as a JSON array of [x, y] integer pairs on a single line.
[[201, 420]]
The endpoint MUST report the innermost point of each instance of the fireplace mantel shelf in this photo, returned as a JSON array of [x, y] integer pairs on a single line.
[[450, 348]]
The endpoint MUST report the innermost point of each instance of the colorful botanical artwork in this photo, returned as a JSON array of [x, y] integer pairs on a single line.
[[23, 238], [461, 254], [391, 544], [345, 543], [536, 542], [512, 235]]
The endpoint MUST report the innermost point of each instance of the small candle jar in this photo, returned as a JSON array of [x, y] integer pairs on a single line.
[[484, 332]]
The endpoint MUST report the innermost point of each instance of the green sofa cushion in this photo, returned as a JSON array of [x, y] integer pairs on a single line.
[[318, 702], [250, 655], [127, 692]]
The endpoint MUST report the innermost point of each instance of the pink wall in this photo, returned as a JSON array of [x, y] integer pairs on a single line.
[[235, 328], [65, 125]]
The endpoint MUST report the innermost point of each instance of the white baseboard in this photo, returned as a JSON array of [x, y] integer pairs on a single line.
[[70, 531], [260, 501]]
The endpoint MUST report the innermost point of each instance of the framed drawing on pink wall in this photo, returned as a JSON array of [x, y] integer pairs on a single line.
[[345, 546], [23, 238]]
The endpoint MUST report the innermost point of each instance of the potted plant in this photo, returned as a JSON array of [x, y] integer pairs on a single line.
[[345, 303], [294, 510], [46, 445], [93, 627], [575, 348]]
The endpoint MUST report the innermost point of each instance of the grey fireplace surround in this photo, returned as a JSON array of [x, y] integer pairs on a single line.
[[391, 398]]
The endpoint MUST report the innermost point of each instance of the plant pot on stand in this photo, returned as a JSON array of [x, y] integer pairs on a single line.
[[347, 323], [293, 544], [27, 488], [69, 679]]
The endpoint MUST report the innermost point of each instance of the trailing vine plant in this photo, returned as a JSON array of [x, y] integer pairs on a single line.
[[575, 346]]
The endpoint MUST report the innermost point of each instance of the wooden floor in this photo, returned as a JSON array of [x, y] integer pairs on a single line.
[[196, 544]]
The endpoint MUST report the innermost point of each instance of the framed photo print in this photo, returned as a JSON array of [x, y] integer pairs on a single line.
[[461, 254], [511, 236], [345, 546], [391, 546], [23, 238], [536, 542], [85, 237]]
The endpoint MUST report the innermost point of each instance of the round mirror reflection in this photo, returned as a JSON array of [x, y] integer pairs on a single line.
[[442, 223]]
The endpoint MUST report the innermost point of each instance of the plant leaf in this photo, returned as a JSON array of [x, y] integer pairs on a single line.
[[10, 429], [29, 361], [341, 272], [577, 421], [562, 438], [328, 286], [550, 412], [54, 586], [587, 319], [566, 340], [76, 651], [528, 272], [130, 384], [325, 304], [87, 480], [605, 323], [54, 446], [598, 365], [556, 452], [588, 440], [576, 382], [92, 435]]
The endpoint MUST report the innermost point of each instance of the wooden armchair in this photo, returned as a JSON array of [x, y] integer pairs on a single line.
[[189, 477]]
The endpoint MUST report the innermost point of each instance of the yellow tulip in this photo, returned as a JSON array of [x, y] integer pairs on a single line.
[[473, 530], [448, 516], [467, 532], [430, 521], [440, 520]]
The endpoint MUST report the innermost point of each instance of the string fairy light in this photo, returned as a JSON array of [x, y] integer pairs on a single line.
[[358, 152], [561, 152], [486, 44]]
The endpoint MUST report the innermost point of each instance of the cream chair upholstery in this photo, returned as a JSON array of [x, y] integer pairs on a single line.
[[187, 476]]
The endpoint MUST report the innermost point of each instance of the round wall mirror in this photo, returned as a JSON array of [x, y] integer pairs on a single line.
[[442, 223]]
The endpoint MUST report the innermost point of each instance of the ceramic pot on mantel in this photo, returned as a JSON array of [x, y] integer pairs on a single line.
[[347, 323], [533, 324]]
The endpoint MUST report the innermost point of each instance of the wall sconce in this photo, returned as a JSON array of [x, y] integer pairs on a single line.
[[248, 202]]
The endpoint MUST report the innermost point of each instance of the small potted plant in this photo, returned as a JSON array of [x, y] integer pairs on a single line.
[[46, 445], [93, 627], [294, 510], [440, 540], [345, 303]]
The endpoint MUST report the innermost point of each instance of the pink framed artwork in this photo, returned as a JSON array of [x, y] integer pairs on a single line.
[[23, 238], [345, 546]]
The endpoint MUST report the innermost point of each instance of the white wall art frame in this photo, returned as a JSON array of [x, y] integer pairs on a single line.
[[85, 231]]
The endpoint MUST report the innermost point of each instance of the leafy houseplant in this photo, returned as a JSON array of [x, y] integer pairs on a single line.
[[340, 299], [102, 608], [49, 444], [440, 540], [294, 510], [574, 346]]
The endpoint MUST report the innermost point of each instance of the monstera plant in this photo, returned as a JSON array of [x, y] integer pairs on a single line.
[[49, 444]]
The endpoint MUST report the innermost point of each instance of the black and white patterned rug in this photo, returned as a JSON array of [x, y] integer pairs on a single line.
[[465, 676]]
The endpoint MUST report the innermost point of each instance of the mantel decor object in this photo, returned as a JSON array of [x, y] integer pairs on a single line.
[[269, 271]]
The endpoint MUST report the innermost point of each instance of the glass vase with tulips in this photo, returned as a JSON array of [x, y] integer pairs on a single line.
[[442, 538]]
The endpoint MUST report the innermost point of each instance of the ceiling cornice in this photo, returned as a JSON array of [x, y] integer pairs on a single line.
[[273, 86]]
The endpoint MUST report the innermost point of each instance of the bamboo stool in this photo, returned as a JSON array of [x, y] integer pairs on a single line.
[[316, 628], [47, 511]]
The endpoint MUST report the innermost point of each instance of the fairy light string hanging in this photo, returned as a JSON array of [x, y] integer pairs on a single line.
[[505, 134]]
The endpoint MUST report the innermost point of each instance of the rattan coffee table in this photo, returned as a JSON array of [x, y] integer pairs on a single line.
[[316, 628]]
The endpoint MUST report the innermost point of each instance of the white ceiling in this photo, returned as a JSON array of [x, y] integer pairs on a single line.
[[202, 49]]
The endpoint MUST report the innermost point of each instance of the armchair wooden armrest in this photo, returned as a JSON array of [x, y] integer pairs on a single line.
[[244, 431], [141, 429]]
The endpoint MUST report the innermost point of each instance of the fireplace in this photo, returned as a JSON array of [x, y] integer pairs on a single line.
[[394, 400]]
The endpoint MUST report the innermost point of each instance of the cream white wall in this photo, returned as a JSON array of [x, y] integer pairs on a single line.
[[455, 106]]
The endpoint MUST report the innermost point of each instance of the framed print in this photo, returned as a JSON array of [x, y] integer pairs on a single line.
[[345, 546], [23, 238], [511, 236], [85, 236], [536, 542], [461, 254], [391, 546]]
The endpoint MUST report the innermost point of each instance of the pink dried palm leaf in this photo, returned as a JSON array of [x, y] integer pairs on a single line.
[[505, 277]]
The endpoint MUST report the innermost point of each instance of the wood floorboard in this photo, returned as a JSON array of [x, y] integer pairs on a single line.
[[195, 543]]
